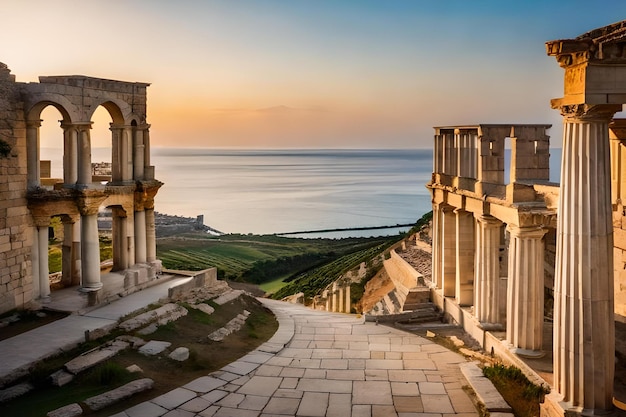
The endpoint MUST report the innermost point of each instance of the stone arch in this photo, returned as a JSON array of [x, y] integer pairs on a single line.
[[118, 110], [39, 102]]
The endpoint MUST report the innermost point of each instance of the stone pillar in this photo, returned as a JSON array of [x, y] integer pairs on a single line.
[[148, 169], [68, 252], [32, 153], [464, 288], [126, 154], [327, 300], [436, 246], [120, 239], [150, 235], [584, 333], [525, 291], [90, 252], [70, 155], [487, 289], [138, 155], [88, 203], [340, 296], [118, 153], [348, 305], [34, 260], [84, 155], [140, 237], [336, 298], [130, 236], [448, 253], [44, 274], [76, 255]]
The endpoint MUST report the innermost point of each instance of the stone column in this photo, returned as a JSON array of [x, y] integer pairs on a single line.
[[88, 203], [126, 154], [336, 298], [584, 333], [84, 154], [464, 288], [140, 237], [76, 264], [487, 290], [436, 246], [117, 153], [68, 252], [138, 155], [120, 239], [44, 274], [130, 236], [34, 261], [448, 253], [524, 328], [348, 305], [148, 169], [32, 153], [70, 155], [150, 235]]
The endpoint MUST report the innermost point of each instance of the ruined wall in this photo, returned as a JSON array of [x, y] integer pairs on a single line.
[[16, 287]]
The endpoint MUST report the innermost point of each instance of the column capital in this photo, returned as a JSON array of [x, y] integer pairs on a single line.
[[586, 112], [527, 232], [488, 220], [89, 201], [33, 123], [617, 130]]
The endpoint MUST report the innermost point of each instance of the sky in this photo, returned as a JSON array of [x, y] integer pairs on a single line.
[[306, 74]]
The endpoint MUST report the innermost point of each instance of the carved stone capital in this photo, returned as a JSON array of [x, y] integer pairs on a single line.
[[89, 201], [588, 112], [532, 232]]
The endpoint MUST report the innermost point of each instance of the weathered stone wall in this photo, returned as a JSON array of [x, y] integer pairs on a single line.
[[16, 286]]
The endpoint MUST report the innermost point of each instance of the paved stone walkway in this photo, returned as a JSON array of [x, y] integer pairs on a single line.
[[325, 364]]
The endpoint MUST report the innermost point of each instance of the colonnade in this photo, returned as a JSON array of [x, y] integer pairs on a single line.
[[466, 268], [133, 189], [338, 298]]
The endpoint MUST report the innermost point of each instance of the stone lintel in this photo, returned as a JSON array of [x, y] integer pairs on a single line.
[[89, 201]]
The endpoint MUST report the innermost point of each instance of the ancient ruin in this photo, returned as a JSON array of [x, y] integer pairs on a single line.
[[29, 199], [498, 242]]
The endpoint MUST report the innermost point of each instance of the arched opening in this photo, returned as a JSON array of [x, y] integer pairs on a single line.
[[51, 147]]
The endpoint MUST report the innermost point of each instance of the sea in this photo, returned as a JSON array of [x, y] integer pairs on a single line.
[[265, 191]]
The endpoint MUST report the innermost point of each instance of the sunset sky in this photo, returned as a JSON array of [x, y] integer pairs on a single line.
[[309, 74]]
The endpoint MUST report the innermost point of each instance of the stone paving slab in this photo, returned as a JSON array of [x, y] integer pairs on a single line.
[[326, 364]]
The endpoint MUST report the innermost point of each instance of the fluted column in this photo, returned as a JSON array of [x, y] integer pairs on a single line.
[[448, 253], [68, 255], [140, 237], [487, 288], [348, 305], [584, 334], [32, 153], [118, 154], [34, 262], [44, 273], [525, 294], [88, 203], [464, 288], [120, 239], [150, 235], [84, 154], [138, 155], [436, 246], [70, 154]]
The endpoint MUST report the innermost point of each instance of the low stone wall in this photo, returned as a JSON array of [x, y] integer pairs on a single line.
[[205, 278]]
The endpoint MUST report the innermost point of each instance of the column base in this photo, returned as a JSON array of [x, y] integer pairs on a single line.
[[95, 286], [528, 353], [44, 300]]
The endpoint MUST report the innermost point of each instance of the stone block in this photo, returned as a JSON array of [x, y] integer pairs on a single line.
[[134, 369], [72, 410], [61, 377], [15, 391], [180, 354], [111, 397], [154, 347], [88, 360]]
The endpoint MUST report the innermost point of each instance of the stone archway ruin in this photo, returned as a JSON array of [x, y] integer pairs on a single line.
[[32, 201]]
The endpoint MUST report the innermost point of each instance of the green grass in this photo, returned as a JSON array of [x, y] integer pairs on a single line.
[[274, 285], [522, 395]]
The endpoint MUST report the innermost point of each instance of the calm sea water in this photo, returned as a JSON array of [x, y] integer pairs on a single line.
[[279, 191]]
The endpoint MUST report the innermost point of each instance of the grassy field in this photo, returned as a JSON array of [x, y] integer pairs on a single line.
[[266, 260]]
